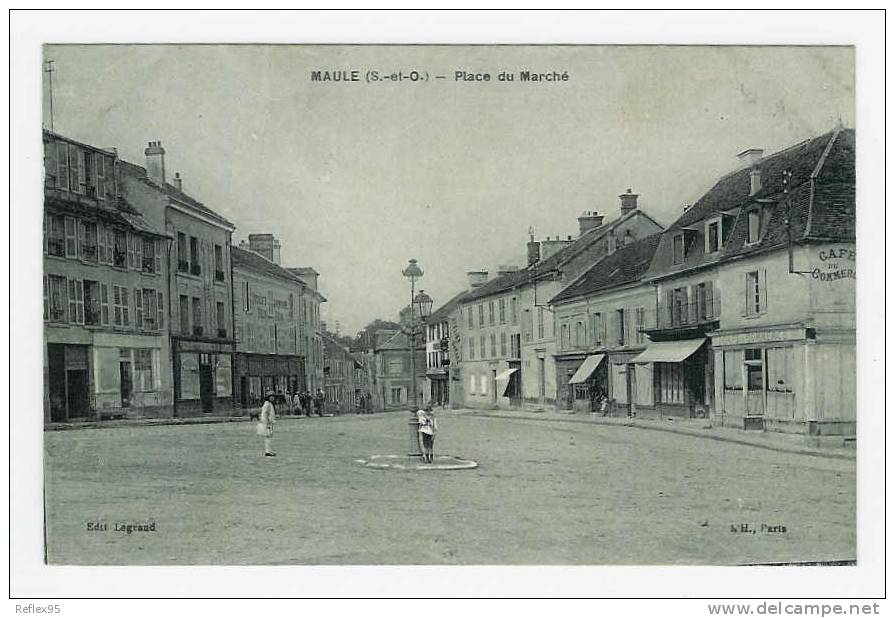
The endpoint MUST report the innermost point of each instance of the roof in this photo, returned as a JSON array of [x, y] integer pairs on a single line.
[[115, 216], [302, 270], [448, 308], [819, 203], [554, 262], [626, 265], [139, 173], [249, 260]]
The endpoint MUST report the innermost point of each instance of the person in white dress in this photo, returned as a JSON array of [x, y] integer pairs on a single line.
[[427, 430], [266, 421]]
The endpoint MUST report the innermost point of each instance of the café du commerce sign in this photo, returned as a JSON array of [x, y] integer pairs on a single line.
[[830, 263]]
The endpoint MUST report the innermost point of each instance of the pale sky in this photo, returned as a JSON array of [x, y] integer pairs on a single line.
[[356, 178]]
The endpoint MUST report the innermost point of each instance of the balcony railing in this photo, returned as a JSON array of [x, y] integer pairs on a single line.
[[88, 252], [219, 275], [684, 314], [119, 259], [92, 314], [57, 314], [56, 246], [149, 264]]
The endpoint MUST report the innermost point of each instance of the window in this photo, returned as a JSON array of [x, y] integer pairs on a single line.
[[733, 370], [540, 322], [491, 312], [481, 315], [71, 237], [754, 224], [756, 291], [395, 366], [621, 326], [56, 235], [503, 344], [493, 345], [472, 348], [678, 248], [754, 370], [564, 336], [56, 298], [197, 316], [160, 306], [92, 304], [88, 241], [100, 175], [469, 317], [639, 316], [61, 165], [502, 308], [75, 301], [483, 351], [483, 385], [195, 263], [579, 334], [147, 264], [219, 264], [780, 368], [147, 311], [472, 385], [515, 346], [121, 305], [143, 370], [104, 303], [119, 249], [712, 236], [185, 314], [596, 328], [76, 165], [669, 379], [219, 317], [514, 311], [183, 264]]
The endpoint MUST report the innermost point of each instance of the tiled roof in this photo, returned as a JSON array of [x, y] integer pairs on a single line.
[[820, 203], [249, 260], [626, 265], [446, 309], [303, 270], [498, 285], [139, 173], [115, 216]]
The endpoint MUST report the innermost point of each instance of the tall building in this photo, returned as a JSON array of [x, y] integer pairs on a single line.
[[269, 328], [442, 366], [311, 325], [755, 295], [199, 284], [106, 298]]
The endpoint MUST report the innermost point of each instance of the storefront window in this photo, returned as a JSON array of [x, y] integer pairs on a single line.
[[223, 384], [780, 366], [143, 379], [733, 370], [189, 376], [670, 378]]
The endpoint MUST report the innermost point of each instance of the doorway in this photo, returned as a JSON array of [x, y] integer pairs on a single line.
[[542, 381], [206, 387], [127, 384], [631, 385]]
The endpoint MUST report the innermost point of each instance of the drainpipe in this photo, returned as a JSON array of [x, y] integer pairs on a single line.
[[170, 245]]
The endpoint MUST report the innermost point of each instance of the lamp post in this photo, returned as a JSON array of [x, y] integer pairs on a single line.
[[420, 304]]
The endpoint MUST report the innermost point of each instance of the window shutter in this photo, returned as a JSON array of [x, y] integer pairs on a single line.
[[158, 256], [763, 290], [710, 300], [74, 158], [62, 165], [99, 174], [71, 237], [104, 303], [745, 307], [669, 305], [125, 307], [131, 256], [82, 236], [138, 308], [46, 300], [72, 302], [138, 252], [100, 243], [46, 231], [161, 310], [82, 172]]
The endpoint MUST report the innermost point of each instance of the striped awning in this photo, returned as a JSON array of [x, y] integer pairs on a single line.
[[669, 351], [587, 367]]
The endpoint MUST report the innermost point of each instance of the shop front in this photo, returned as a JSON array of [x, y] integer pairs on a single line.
[[256, 374], [203, 378], [682, 377]]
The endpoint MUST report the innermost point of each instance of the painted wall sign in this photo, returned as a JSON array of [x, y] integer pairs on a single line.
[[834, 263]]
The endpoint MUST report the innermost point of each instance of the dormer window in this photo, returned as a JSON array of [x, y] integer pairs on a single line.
[[713, 235], [678, 249], [753, 218]]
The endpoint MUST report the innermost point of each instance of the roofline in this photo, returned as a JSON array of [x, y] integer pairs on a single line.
[[82, 144], [614, 288], [182, 206], [813, 179]]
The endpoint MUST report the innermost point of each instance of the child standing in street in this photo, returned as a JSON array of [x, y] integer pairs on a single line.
[[427, 430], [266, 421]]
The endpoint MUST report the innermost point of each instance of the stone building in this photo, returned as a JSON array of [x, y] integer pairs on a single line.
[[309, 312], [106, 299], [442, 362], [198, 283], [755, 295], [268, 326]]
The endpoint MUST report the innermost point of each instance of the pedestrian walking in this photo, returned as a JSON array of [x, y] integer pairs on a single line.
[[266, 420], [428, 427], [319, 402]]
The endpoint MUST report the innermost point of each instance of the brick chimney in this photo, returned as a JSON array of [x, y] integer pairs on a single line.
[[750, 158], [506, 269], [178, 182], [267, 245], [589, 221], [155, 162], [628, 202], [477, 278]]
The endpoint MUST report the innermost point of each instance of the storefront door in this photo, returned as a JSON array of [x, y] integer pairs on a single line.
[[631, 390], [755, 389], [206, 387], [127, 385]]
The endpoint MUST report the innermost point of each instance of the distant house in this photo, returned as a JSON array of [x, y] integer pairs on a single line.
[[392, 367]]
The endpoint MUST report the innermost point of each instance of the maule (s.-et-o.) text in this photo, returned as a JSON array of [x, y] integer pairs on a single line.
[[372, 76]]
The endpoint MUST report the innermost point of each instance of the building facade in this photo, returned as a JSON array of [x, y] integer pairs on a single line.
[[199, 285], [344, 376], [600, 324], [755, 284], [309, 312], [106, 351], [268, 328], [442, 366], [392, 367]]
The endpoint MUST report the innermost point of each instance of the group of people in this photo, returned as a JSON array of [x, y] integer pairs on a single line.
[[364, 404], [306, 404]]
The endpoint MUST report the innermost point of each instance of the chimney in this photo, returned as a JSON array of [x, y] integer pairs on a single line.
[[534, 247], [750, 157], [267, 245], [155, 162], [628, 202], [754, 181], [506, 269], [589, 221], [178, 182], [477, 278]]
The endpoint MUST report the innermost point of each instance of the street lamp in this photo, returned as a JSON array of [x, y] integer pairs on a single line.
[[420, 305]]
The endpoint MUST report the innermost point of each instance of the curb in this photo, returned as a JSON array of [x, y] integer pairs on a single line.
[[680, 431]]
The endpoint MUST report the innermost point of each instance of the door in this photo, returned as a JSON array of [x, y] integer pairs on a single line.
[[127, 384], [542, 381], [76, 392], [206, 387], [494, 386], [56, 380], [631, 390], [755, 388], [243, 392]]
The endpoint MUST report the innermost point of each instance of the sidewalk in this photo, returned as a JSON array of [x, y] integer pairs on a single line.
[[835, 447]]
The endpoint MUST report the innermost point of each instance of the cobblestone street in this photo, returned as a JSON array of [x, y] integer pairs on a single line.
[[543, 493]]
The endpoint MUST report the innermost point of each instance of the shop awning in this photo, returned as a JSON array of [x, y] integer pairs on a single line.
[[505, 375], [587, 367], [669, 351]]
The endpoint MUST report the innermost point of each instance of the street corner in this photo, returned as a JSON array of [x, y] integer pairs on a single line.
[[413, 463]]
